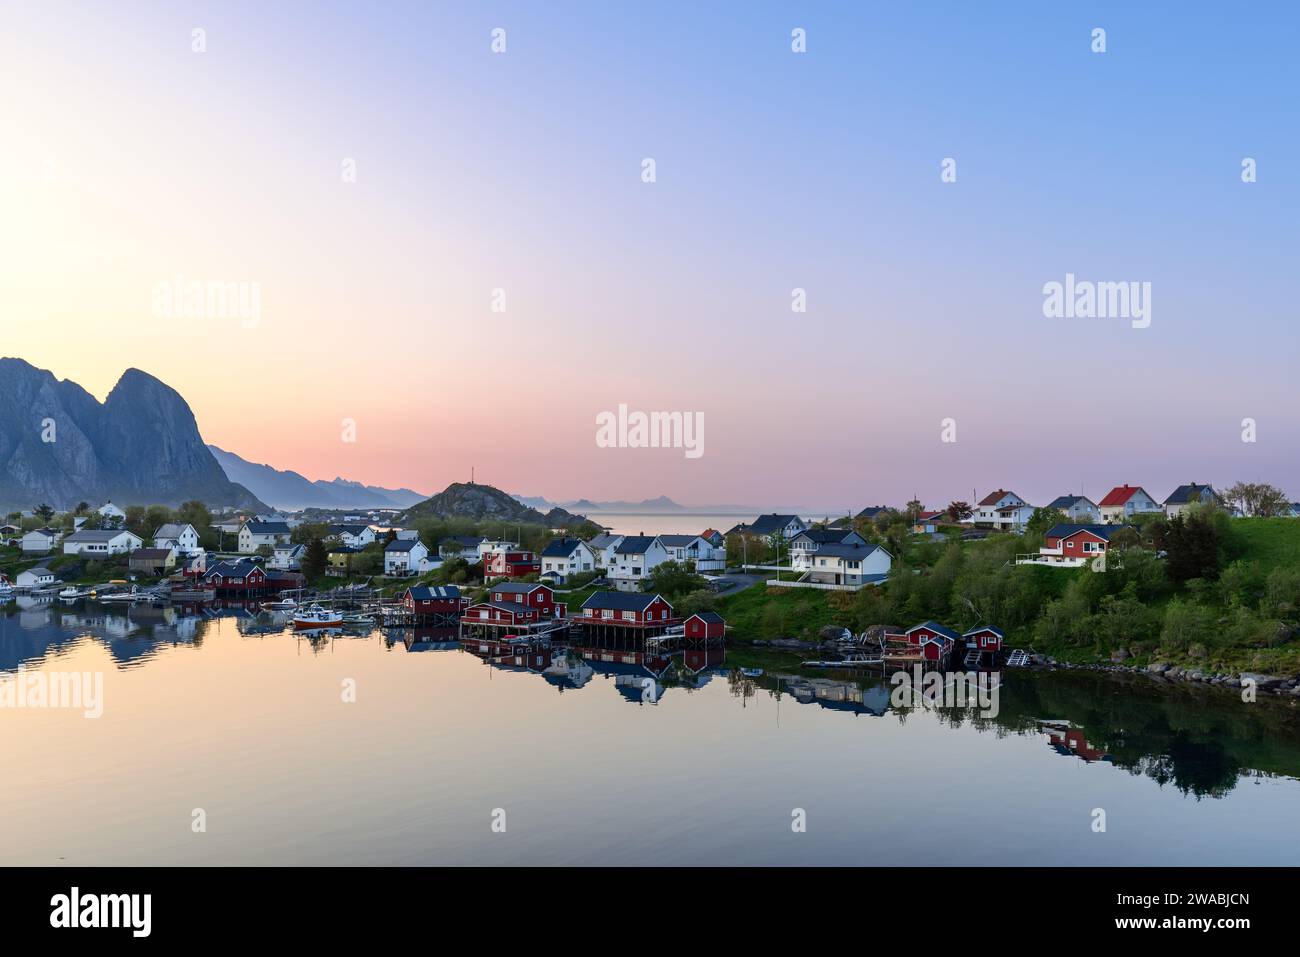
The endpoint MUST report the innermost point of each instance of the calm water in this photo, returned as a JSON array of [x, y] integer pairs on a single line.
[[238, 717]]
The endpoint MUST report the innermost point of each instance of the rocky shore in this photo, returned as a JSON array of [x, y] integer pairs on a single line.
[[1277, 685], [1280, 685]]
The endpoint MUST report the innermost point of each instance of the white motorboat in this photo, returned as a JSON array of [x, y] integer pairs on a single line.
[[317, 617]]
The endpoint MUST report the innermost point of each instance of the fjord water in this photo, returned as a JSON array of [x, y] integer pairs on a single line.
[[240, 718]]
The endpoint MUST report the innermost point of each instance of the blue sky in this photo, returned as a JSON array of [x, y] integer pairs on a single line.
[[775, 170]]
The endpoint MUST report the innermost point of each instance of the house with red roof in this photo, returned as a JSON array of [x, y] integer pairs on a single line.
[[1124, 501]]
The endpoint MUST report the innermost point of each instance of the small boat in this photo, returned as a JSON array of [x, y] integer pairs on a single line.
[[6, 587], [126, 596], [288, 604], [317, 617], [72, 593], [358, 619]]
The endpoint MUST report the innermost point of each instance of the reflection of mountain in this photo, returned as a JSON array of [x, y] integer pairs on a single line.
[[40, 631]]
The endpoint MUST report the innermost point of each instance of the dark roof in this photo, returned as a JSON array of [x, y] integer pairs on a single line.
[[1066, 502], [825, 536], [268, 528], [349, 527], [517, 588], [768, 524], [97, 535], [634, 545], [402, 544], [427, 593], [976, 631], [937, 629], [620, 600], [150, 553], [1103, 532], [238, 569], [871, 511], [677, 541], [465, 541], [1189, 493], [838, 550], [561, 547], [712, 617]]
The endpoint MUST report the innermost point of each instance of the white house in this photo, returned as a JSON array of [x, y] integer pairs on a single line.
[[287, 557], [1080, 510], [253, 535], [567, 556], [183, 538], [353, 535], [848, 565], [40, 541], [460, 546], [488, 545], [702, 552], [405, 556], [635, 557], [602, 547], [1124, 501], [1002, 510], [109, 510], [805, 545], [99, 542], [38, 577], [1183, 497]]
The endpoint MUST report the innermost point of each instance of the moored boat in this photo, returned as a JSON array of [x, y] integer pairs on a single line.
[[317, 617]]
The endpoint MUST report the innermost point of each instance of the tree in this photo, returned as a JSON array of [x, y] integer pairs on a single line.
[[1192, 548], [1258, 499], [82, 508], [913, 511], [44, 512], [195, 513], [1043, 519], [960, 511], [671, 579], [315, 559]]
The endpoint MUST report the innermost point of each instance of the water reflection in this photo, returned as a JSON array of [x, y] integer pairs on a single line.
[[1200, 741]]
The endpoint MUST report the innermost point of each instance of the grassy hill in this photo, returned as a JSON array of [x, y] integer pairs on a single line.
[[1246, 618]]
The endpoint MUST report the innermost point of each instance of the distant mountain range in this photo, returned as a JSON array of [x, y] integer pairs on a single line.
[[59, 445], [662, 504], [485, 503], [291, 491]]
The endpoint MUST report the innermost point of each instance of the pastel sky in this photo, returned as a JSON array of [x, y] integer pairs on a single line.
[[127, 159]]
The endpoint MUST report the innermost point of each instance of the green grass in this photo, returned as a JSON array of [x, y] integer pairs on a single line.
[[1273, 541], [771, 612]]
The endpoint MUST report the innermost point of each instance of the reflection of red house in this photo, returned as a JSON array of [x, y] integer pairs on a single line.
[[1070, 740]]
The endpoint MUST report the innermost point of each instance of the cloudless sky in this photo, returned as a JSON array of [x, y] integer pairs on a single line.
[[127, 159]]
